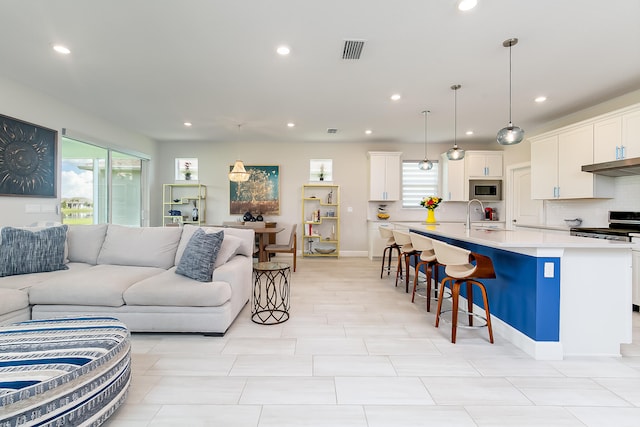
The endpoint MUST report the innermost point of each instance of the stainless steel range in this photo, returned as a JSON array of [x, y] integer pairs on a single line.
[[622, 225]]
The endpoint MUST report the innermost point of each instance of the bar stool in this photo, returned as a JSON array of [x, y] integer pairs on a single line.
[[459, 270], [424, 245], [403, 239], [387, 234]]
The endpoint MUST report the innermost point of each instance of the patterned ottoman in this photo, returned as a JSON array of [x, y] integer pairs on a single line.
[[63, 372]]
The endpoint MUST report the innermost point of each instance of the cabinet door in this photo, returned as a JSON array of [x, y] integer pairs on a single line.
[[392, 177], [493, 164], [631, 134], [453, 180], [544, 168], [475, 165], [377, 171], [607, 140], [575, 148]]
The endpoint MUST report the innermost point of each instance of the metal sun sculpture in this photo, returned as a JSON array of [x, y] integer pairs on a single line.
[[27, 159]]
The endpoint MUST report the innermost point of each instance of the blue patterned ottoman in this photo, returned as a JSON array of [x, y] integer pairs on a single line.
[[63, 372]]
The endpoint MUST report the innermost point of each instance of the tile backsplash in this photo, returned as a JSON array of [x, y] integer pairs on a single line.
[[594, 212]]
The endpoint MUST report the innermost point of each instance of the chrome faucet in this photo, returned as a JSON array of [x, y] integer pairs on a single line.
[[467, 225]]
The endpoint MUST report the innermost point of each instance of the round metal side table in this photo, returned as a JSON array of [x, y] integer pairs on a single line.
[[270, 300]]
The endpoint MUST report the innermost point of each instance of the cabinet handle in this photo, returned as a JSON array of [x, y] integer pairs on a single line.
[[486, 171], [617, 153], [623, 153]]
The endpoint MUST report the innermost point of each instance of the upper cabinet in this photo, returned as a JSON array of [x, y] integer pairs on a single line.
[[453, 179], [384, 176], [483, 164], [617, 137], [556, 166], [631, 134]]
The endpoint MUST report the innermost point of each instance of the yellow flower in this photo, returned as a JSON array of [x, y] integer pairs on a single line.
[[430, 202]]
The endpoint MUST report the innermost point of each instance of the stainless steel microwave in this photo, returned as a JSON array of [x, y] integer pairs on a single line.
[[485, 189]]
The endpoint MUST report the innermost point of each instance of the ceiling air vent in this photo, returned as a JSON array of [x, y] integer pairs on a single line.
[[332, 130], [352, 49]]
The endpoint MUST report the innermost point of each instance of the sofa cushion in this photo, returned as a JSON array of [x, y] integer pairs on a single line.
[[200, 255], [170, 289], [25, 281], [24, 251], [246, 242], [99, 285], [229, 248], [85, 242], [12, 300], [140, 246]]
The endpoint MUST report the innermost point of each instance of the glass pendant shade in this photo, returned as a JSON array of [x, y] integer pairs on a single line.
[[426, 164], [510, 135], [239, 173], [455, 153]]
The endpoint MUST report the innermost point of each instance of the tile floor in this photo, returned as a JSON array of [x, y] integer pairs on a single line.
[[356, 352]]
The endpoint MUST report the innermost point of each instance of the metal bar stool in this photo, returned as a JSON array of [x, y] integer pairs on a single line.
[[424, 245], [403, 239], [391, 245], [459, 270]]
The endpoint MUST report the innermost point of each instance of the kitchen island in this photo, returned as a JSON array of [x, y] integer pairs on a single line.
[[554, 295]]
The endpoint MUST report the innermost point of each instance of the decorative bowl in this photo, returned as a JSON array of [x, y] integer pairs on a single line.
[[575, 222], [176, 200], [383, 215], [325, 250]]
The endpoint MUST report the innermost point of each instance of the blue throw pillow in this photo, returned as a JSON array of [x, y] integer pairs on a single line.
[[25, 251], [200, 255]]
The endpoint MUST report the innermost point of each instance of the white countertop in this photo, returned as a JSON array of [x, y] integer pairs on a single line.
[[512, 239]]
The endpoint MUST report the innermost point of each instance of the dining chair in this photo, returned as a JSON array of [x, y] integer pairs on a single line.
[[291, 247]]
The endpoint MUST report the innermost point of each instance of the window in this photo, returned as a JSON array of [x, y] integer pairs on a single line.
[[417, 183], [100, 185]]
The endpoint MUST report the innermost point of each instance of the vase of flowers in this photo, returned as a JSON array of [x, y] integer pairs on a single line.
[[187, 171], [431, 203]]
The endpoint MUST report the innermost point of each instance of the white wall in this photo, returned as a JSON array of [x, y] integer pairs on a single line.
[[23, 103]]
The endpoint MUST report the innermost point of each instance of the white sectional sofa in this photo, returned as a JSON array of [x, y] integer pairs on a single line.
[[130, 274]]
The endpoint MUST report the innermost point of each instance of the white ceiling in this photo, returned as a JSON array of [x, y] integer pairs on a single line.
[[150, 65]]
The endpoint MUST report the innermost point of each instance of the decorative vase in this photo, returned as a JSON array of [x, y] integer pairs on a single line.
[[431, 216]]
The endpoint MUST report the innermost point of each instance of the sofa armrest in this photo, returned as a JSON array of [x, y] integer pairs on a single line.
[[237, 272]]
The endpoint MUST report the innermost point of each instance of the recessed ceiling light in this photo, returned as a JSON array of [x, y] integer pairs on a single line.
[[541, 99], [61, 49], [469, 132], [283, 50], [187, 124], [465, 5], [368, 131], [291, 124], [395, 97]]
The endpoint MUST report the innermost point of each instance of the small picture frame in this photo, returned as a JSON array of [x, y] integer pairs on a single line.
[[320, 170], [186, 169]]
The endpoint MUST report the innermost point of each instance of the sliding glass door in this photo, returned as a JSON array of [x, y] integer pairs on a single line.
[[100, 185]]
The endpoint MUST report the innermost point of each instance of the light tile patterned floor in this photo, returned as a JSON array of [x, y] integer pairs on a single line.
[[357, 352]]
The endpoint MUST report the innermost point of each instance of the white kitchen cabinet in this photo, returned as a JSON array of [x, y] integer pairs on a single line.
[[384, 176], [453, 180], [556, 166], [483, 164], [631, 134], [607, 140], [544, 167], [376, 243]]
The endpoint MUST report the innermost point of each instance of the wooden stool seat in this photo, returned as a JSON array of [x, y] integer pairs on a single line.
[[403, 239], [390, 245], [427, 258], [464, 266]]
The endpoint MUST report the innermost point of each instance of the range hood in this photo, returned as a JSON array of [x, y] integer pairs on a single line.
[[624, 167]]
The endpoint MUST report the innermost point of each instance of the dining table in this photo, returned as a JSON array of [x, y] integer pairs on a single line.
[[263, 234]]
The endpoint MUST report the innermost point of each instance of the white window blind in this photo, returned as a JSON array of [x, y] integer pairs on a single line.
[[417, 183]]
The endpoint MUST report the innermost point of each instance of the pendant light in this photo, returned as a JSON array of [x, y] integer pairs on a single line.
[[426, 164], [455, 153], [239, 173], [511, 134]]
